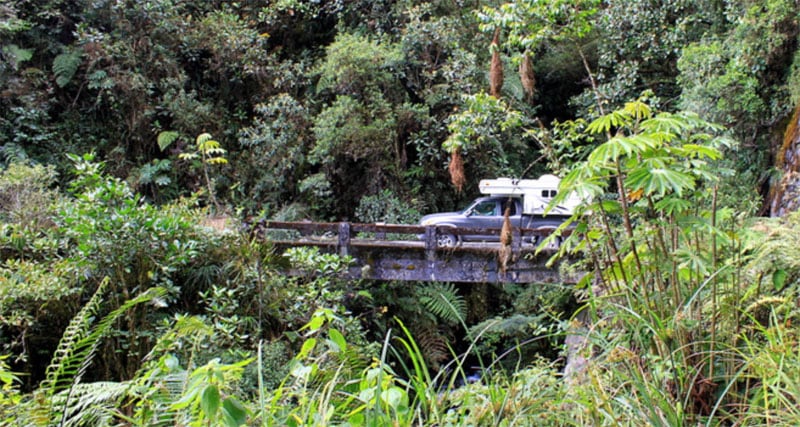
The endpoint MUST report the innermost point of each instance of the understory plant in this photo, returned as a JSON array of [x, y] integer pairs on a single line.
[[53, 259], [684, 304], [655, 248]]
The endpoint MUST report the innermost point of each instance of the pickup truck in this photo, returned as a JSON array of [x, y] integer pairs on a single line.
[[528, 200], [485, 213]]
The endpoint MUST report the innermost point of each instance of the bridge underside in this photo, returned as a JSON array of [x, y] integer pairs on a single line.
[[475, 263]]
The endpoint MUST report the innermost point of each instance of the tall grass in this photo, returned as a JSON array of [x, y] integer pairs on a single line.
[[636, 374]]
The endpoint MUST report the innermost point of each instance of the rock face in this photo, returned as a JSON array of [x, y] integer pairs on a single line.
[[784, 196], [787, 196]]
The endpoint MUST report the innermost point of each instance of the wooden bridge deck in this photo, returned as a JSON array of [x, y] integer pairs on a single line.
[[409, 252]]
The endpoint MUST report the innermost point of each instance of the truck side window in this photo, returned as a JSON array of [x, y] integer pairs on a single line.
[[485, 208], [548, 194]]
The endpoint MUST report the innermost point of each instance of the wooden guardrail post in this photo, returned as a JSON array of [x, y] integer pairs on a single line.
[[344, 239], [516, 242], [430, 243]]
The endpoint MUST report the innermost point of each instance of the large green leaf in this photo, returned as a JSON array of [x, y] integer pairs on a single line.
[[166, 138], [655, 162], [664, 123], [234, 413], [337, 339], [696, 150], [638, 110], [673, 205], [210, 401], [608, 122], [581, 182], [612, 150], [779, 279], [658, 182]]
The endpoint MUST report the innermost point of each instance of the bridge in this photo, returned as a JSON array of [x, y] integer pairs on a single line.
[[410, 252]]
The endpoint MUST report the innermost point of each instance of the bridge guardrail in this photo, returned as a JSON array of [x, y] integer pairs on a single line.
[[343, 234], [379, 255]]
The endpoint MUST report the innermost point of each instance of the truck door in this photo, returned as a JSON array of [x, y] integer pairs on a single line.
[[487, 214]]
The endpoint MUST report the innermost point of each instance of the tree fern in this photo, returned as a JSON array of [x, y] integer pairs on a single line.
[[443, 301], [77, 347]]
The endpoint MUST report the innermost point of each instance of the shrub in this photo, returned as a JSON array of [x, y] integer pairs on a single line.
[[26, 194]]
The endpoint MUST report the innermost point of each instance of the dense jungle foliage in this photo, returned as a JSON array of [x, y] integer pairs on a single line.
[[139, 140]]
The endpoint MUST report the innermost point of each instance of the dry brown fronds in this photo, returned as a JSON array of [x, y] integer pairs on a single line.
[[527, 77], [496, 68], [456, 169], [504, 254], [505, 231]]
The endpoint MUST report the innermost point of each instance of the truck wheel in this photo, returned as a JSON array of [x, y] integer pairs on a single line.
[[446, 240], [554, 244]]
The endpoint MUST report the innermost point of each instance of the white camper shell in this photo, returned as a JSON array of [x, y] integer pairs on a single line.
[[536, 194]]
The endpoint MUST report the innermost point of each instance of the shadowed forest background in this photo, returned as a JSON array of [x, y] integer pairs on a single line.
[[139, 140]]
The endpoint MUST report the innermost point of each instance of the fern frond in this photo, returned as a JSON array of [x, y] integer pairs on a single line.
[[433, 344], [91, 403], [77, 330], [65, 66], [443, 301], [79, 343], [158, 393], [217, 160], [516, 327], [209, 146]]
